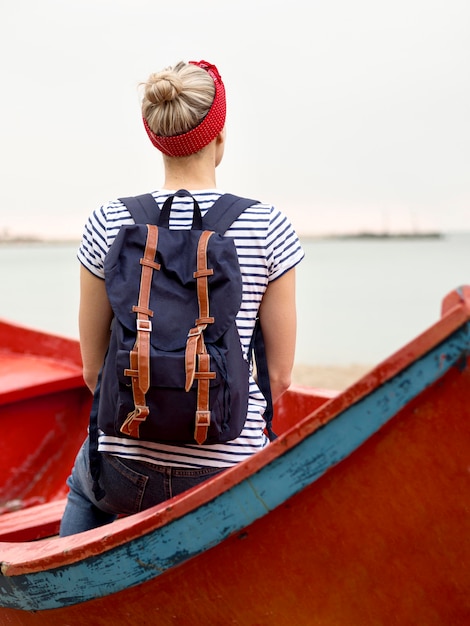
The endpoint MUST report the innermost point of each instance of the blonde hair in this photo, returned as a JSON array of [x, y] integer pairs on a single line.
[[177, 99]]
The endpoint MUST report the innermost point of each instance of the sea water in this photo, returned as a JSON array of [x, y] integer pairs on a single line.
[[358, 300]]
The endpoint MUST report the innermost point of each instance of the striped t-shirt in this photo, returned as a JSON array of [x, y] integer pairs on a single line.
[[267, 247]]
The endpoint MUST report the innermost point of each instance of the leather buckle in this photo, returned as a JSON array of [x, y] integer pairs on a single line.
[[144, 325], [203, 418], [197, 331]]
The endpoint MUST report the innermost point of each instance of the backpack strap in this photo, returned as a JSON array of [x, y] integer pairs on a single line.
[[94, 455], [196, 353], [225, 211], [143, 209], [218, 218], [258, 350], [139, 369]]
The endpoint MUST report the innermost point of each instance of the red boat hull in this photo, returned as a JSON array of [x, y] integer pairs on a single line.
[[380, 538], [44, 408]]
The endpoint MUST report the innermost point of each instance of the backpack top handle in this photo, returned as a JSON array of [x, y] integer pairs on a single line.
[[164, 220]]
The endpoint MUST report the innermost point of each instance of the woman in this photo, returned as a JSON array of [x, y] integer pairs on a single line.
[[183, 112]]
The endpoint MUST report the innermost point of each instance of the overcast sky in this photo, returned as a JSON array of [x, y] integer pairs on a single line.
[[348, 115]]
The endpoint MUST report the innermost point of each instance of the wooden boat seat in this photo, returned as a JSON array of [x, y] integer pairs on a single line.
[[35, 522], [26, 375]]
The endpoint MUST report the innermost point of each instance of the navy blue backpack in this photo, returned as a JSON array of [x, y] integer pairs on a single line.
[[175, 370]]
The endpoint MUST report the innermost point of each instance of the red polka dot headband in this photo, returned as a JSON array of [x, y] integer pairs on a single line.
[[205, 132]]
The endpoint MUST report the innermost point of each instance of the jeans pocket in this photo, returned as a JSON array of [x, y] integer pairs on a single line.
[[181, 479], [124, 487]]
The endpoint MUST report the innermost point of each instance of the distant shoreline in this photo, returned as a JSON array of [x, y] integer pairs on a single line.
[[366, 235], [370, 235], [36, 240], [363, 235]]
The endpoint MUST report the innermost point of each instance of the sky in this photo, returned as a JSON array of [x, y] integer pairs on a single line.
[[347, 115]]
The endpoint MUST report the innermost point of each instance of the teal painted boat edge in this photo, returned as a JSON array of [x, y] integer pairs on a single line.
[[340, 437], [132, 564]]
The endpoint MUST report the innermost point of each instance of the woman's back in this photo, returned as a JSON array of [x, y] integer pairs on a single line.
[[184, 111]]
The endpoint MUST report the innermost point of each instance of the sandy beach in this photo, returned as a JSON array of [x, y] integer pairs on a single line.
[[329, 376]]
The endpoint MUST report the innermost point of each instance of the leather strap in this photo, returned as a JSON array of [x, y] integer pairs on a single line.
[[139, 370], [192, 349], [203, 414], [201, 275], [196, 353], [133, 420]]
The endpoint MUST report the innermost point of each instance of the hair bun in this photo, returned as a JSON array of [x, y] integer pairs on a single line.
[[163, 87]]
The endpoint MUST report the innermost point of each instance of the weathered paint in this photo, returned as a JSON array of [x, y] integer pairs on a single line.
[[361, 517]]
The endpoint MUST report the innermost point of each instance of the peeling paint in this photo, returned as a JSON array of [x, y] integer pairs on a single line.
[[150, 566]]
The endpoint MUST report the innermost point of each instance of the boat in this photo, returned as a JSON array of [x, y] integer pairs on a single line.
[[359, 513], [44, 408]]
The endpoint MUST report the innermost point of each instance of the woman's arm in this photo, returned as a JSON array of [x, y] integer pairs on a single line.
[[94, 321], [278, 320]]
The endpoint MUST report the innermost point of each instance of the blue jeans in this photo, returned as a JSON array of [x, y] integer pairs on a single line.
[[130, 487]]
